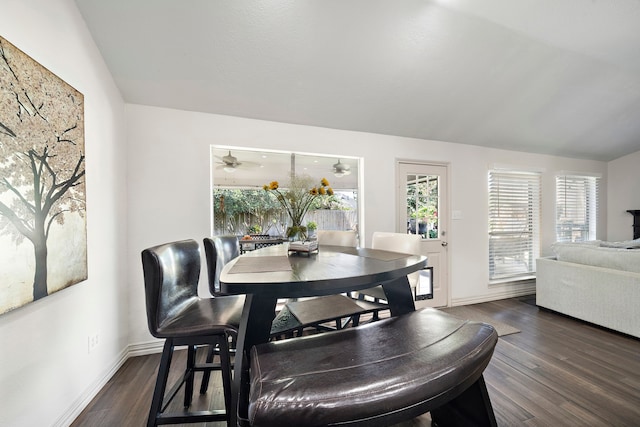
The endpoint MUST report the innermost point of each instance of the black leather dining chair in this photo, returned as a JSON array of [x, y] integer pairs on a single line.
[[176, 314], [219, 250]]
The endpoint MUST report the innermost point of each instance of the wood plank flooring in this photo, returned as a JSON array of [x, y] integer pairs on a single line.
[[556, 372]]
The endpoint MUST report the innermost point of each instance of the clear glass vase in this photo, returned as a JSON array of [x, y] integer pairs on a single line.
[[296, 233]]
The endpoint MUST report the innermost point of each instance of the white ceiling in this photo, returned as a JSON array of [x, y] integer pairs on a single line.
[[277, 166], [557, 77]]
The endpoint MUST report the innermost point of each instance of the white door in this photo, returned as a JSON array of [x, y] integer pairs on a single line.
[[422, 209]]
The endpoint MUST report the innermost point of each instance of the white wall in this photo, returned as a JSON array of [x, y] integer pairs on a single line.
[[169, 187], [624, 195], [46, 373]]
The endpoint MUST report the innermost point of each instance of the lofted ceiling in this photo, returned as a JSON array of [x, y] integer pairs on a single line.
[[558, 77]]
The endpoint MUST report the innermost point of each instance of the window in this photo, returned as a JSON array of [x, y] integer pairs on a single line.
[[422, 205], [241, 206], [576, 207], [514, 222]]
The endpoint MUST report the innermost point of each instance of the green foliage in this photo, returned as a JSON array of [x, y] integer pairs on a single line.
[[424, 212], [232, 202], [328, 202], [422, 199], [297, 230], [239, 211]]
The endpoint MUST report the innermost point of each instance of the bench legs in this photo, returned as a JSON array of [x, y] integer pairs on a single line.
[[471, 408]]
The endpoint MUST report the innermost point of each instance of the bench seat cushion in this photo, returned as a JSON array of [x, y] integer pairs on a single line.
[[393, 369]]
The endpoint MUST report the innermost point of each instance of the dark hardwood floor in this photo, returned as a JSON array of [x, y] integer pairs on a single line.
[[556, 372]]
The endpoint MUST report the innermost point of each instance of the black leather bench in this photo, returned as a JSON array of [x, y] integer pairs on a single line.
[[377, 374]]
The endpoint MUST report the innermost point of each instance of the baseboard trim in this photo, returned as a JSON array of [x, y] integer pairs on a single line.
[[528, 289], [92, 391], [142, 349], [132, 350]]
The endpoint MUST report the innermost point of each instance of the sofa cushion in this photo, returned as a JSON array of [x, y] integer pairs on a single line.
[[596, 255], [625, 244]]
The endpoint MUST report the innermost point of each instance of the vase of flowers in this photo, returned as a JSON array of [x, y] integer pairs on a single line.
[[297, 199]]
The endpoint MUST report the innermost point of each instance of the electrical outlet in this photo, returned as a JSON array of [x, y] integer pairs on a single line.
[[92, 342]]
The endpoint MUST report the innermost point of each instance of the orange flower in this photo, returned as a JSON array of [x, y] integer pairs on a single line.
[[324, 182], [273, 185]]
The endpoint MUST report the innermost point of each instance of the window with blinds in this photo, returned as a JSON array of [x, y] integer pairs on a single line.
[[514, 222], [576, 207]]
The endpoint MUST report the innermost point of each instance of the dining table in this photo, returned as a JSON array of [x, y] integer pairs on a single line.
[[268, 274]]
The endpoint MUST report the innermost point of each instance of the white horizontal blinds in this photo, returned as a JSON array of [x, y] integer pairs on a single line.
[[576, 207], [514, 222]]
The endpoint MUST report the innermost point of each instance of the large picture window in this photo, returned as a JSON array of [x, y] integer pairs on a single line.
[[514, 222], [240, 205], [576, 207]]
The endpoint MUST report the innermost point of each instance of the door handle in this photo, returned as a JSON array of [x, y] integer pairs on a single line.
[[444, 244]]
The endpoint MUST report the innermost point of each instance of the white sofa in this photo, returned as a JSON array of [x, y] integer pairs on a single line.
[[598, 282]]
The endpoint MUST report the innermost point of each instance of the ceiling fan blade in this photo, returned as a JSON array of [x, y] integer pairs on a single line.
[[249, 164]]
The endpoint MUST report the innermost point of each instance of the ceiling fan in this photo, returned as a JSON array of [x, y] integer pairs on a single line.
[[341, 169], [230, 163]]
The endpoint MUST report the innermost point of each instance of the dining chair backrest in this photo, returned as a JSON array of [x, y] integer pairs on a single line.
[[337, 237], [219, 250], [399, 242], [171, 275]]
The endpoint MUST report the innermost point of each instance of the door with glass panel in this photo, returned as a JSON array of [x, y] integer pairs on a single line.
[[422, 209]]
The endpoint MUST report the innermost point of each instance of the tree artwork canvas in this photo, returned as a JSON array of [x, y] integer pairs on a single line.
[[43, 237]]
